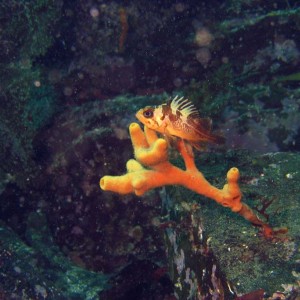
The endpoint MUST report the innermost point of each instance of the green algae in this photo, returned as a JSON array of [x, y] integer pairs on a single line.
[[41, 269], [233, 26]]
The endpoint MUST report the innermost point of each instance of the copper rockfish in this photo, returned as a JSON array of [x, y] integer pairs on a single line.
[[179, 118]]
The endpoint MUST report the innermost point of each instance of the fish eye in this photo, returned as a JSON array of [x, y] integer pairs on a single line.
[[148, 113]]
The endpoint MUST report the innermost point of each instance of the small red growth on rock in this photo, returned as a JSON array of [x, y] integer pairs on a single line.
[[124, 28], [254, 295]]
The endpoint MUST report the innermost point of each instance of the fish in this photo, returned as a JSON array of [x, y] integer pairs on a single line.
[[179, 118]]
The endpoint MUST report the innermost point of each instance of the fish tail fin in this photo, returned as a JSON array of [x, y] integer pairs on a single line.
[[217, 139], [212, 138]]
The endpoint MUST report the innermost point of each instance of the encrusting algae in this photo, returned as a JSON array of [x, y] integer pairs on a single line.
[[151, 169]]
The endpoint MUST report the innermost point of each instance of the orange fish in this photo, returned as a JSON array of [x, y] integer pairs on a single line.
[[179, 118]]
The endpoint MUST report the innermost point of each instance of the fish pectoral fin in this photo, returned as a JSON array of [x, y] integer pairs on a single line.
[[198, 146], [188, 148], [171, 140]]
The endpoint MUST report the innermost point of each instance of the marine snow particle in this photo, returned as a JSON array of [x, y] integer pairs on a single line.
[[203, 55], [37, 83], [136, 233], [68, 91], [94, 12], [203, 37], [177, 82], [179, 7]]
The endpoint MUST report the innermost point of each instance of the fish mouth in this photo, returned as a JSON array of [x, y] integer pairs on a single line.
[[137, 115]]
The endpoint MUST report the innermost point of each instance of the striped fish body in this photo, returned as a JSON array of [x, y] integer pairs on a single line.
[[179, 118]]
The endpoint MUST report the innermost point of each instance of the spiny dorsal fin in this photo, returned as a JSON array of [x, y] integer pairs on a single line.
[[185, 107]]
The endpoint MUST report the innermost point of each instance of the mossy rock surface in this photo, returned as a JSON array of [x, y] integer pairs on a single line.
[[270, 186]]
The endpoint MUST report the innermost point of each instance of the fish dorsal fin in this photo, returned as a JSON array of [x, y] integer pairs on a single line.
[[184, 107]]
